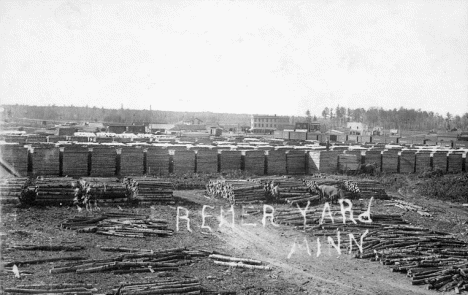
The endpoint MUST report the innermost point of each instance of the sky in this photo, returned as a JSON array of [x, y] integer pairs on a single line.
[[256, 57]]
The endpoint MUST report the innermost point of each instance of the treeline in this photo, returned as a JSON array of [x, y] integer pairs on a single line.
[[128, 116], [402, 118]]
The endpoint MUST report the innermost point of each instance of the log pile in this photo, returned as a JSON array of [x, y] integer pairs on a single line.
[[161, 261], [370, 188], [106, 189], [131, 161], [276, 162], [295, 162], [390, 161], [455, 162], [348, 162], [255, 162], [288, 190], [230, 160], [148, 189], [231, 261], [184, 161], [15, 139], [56, 289], [323, 161], [16, 157], [407, 161], [236, 191], [439, 161], [75, 160], [46, 161], [11, 189], [187, 285], [423, 161], [103, 161], [55, 191], [157, 161], [410, 207], [207, 161], [120, 225]]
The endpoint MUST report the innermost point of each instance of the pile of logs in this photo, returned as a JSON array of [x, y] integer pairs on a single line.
[[148, 189], [56, 289], [103, 161], [55, 190], [106, 189], [46, 161], [11, 189], [121, 225], [131, 161], [371, 188], [238, 262], [75, 160], [133, 262], [161, 286], [410, 207], [236, 191], [287, 189]]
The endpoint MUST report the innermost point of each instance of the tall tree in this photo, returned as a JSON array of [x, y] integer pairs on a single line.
[[325, 112]]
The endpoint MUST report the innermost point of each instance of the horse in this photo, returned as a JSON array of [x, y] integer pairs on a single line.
[[329, 191]]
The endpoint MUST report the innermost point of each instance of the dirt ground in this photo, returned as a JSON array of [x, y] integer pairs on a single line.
[[300, 274]]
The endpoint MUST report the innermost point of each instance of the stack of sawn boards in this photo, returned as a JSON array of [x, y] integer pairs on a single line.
[[46, 160], [103, 161], [131, 161], [75, 160], [157, 161], [16, 157]]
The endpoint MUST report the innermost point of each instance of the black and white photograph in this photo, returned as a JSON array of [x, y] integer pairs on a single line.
[[233, 147]]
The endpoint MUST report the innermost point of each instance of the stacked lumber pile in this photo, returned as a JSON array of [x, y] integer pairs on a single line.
[[184, 161], [147, 189], [439, 161], [16, 157], [323, 161], [236, 191], [410, 207], [231, 261], [157, 161], [105, 189], [55, 191], [162, 286], [36, 138], [455, 162], [423, 161], [75, 160], [11, 189], [348, 162], [407, 161], [57, 138], [374, 156], [390, 161], [296, 162], [370, 188], [276, 162], [120, 224], [131, 161], [15, 139], [207, 161], [103, 161], [104, 139], [255, 162], [162, 261], [56, 289], [46, 161], [230, 160], [79, 138]]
